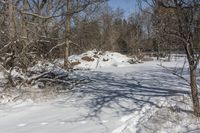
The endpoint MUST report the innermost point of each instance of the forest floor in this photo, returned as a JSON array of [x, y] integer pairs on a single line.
[[131, 98]]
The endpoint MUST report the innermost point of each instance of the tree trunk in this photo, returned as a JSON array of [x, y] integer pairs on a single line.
[[66, 53], [169, 54], [158, 51], [24, 23], [194, 90], [193, 78], [67, 32], [10, 18], [8, 10], [24, 33]]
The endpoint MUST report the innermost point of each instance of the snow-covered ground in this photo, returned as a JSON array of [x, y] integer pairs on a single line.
[[132, 98]]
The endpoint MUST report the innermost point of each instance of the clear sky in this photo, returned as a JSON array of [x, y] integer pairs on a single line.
[[128, 6]]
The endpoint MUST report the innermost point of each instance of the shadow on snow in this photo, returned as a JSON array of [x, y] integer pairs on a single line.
[[126, 93]]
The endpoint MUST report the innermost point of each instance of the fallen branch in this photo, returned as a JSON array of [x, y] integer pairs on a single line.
[[5, 47], [29, 81]]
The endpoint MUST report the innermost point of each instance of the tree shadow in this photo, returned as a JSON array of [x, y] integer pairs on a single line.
[[126, 93]]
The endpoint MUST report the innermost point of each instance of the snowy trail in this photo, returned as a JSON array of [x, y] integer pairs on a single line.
[[57, 116], [115, 99]]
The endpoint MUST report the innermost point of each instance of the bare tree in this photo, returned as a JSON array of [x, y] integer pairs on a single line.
[[178, 19]]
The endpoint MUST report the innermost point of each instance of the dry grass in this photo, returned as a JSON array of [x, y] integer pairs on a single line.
[[87, 58]]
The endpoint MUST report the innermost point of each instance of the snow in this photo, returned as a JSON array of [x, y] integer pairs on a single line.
[[122, 98], [46, 66], [100, 60]]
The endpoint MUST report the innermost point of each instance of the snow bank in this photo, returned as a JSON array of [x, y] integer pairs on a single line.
[[94, 59]]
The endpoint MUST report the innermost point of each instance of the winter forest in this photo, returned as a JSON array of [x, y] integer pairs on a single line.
[[83, 66]]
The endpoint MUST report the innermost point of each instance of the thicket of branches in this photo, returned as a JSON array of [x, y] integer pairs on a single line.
[[47, 29]]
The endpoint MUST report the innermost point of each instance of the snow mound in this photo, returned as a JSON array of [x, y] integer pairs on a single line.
[[97, 59]]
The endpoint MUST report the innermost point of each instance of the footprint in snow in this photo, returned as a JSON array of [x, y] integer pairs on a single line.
[[22, 125]]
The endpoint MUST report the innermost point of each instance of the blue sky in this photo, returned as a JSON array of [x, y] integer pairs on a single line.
[[128, 6]]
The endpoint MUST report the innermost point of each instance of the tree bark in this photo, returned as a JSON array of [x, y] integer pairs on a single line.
[[194, 90]]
